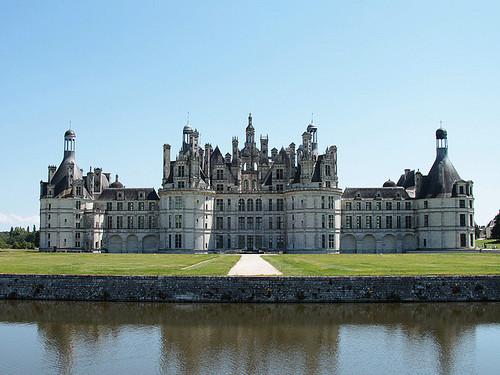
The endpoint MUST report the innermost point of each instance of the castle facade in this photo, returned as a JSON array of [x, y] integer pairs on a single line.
[[255, 199]]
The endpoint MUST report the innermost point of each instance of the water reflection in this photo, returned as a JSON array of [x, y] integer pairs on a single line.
[[132, 338]]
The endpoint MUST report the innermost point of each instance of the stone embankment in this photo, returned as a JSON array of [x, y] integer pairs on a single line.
[[251, 289]]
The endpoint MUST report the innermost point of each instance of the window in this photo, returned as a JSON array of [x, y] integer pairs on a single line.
[[331, 241], [270, 242], [398, 206], [471, 221], [258, 223], [246, 185], [331, 203], [398, 222], [358, 206], [358, 222], [461, 190], [151, 222], [152, 206], [323, 221], [462, 203], [331, 221], [279, 222], [426, 204], [119, 206], [472, 240], [241, 223], [130, 222], [408, 222], [463, 240], [249, 222], [219, 187], [323, 241], [258, 204], [270, 205], [249, 204], [180, 185], [279, 174], [241, 204], [131, 206], [462, 220], [348, 206], [228, 242], [141, 206], [348, 222], [78, 205], [179, 203], [368, 206], [388, 222], [219, 174], [270, 223], [279, 187], [327, 170], [470, 204], [180, 171], [119, 222], [219, 205], [241, 242], [426, 220], [219, 223], [228, 223], [279, 204], [140, 222], [323, 203], [219, 241], [178, 241], [178, 221], [78, 190], [407, 205], [388, 206], [378, 206], [368, 222], [378, 222], [110, 222], [258, 242]]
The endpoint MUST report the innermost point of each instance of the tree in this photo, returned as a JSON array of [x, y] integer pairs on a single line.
[[495, 231]]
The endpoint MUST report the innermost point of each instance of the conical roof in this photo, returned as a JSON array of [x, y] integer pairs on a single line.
[[441, 177]]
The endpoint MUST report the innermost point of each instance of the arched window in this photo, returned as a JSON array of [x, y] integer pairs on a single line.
[[327, 170], [258, 204], [246, 185], [241, 204], [250, 205], [254, 185]]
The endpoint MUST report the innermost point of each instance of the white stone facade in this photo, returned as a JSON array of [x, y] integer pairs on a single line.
[[288, 200]]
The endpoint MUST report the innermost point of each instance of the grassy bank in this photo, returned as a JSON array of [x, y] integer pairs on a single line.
[[33, 262], [490, 244], [387, 264]]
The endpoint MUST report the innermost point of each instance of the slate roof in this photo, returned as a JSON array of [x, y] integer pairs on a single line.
[[440, 179], [316, 177], [370, 193], [407, 180], [129, 194]]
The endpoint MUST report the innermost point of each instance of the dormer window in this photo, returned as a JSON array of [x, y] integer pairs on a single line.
[[120, 195], [141, 195], [461, 189]]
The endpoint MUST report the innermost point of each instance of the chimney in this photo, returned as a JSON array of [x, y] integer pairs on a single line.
[[52, 172], [166, 162], [235, 149]]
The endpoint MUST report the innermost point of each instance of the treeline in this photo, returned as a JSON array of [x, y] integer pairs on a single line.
[[20, 238]]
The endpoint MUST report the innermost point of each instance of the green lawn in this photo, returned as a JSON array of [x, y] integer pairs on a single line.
[[33, 262], [489, 243], [387, 264]]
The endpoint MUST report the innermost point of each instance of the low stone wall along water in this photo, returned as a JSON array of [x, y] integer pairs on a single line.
[[251, 289]]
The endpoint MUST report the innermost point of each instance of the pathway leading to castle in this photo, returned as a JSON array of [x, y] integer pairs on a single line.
[[253, 265]]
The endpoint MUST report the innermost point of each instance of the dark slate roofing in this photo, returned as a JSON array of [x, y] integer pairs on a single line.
[[217, 156], [61, 178], [386, 193], [296, 178], [129, 194], [268, 180], [407, 179], [389, 183], [440, 179], [317, 169]]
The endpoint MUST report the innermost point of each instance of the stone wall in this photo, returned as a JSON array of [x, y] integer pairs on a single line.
[[251, 289]]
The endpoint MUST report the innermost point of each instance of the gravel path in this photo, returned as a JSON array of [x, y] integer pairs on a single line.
[[253, 265]]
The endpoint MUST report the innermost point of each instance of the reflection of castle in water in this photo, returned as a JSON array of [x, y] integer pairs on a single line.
[[246, 338]]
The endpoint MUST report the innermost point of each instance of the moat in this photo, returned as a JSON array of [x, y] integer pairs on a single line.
[[151, 338]]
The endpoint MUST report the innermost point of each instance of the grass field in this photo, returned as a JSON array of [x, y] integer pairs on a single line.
[[489, 243], [33, 262], [388, 264]]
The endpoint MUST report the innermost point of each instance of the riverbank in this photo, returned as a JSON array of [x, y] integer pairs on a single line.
[[251, 289]]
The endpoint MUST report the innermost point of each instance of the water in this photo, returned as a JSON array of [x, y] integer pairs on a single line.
[[135, 338]]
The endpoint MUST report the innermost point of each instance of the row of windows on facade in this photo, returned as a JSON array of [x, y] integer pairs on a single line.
[[368, 206], [175, 203], [462, 220], [368, 222], [131, 223], [130, 206]]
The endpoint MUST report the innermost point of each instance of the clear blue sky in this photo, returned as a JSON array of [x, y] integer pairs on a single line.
[[378, 75]]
